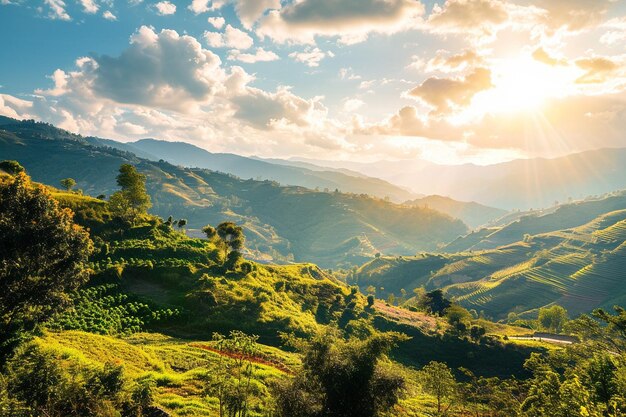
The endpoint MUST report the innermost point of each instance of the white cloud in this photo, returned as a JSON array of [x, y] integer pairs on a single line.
[[310, 56], [57, 10], [217, 22], [446, 94], [261, 55], [352, 104], [165, 8], [59, 77], [108, 15], [231, 38], [160, 69], [351, 20], [89, 6], [199, 6]]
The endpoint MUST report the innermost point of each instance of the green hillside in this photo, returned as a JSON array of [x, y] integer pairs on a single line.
[[282, 223], [579, 267]]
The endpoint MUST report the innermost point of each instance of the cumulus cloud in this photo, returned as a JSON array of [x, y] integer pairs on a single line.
[[89, 6], [108, 15], [57, 10], [597, 69], [261, 55], [199, 6], [164, 69], [249, 11], [231, 38], [478, 17], [445, 94], [165, 8], [60, 84], [216, 22], [311, 56], [351, 20], [14, 107]]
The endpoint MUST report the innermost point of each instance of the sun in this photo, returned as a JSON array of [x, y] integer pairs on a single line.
[[522, 84]]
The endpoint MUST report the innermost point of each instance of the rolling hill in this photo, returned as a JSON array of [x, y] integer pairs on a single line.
[[575, 257], [282, 223]]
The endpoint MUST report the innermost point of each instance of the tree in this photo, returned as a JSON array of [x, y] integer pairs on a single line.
[[341, 378], [232, 236], [437, 380], [231, 381], [68, 183], [182, 223], [43, 256], [209, 231], [11, 167], [133, 200], [434, 302], [553, 318]]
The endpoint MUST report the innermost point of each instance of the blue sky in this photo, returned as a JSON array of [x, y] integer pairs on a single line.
[[455, 81]]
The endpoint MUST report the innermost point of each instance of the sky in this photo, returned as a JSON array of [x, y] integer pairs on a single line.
[[456, 81]]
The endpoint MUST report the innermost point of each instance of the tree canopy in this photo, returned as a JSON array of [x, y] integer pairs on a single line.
[[42, 256], [133, 200]]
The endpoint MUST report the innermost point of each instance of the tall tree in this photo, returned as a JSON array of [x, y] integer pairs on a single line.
[[437, 380], [42, 257], [133, 200]]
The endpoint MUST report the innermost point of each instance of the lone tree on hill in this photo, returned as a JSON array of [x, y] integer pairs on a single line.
[[133, 200], [42, 257], [68, 183]]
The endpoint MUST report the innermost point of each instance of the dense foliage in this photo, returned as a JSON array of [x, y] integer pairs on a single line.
[[43, 255]]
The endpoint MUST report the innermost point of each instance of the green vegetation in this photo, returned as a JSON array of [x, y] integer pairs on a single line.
[[282, 223], [43, 255], [108, 310], [578, 268]]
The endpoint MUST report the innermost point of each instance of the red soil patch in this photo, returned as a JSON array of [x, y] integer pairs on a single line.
[[254, 359]]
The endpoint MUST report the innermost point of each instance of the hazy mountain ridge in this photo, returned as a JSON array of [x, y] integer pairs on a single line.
[[473, 214], [518, 184], [185, 154]]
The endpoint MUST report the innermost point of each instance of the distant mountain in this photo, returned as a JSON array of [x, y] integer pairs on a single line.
[[472, 213], [281, 223], [575, 257], [520, 184], [306, 175]]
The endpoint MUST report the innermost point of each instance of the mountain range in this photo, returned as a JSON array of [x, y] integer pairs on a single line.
[[518, 184]]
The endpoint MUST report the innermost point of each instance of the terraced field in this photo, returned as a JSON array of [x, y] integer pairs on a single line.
[[580, 267]]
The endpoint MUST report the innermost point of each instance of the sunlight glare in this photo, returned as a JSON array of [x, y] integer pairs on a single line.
[[523, 84]]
